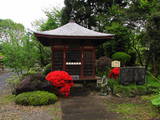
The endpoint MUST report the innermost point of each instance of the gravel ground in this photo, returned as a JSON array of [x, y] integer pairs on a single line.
[[3, 85]]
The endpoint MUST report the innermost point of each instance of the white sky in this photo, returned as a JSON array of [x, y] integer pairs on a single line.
[[26, 11]]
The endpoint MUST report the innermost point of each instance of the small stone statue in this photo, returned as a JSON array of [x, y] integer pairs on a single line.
[[103, 85]]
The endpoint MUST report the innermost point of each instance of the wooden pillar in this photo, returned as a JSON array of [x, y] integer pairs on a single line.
[[52, 49], [82, 63], [64, 58], [94, 62]]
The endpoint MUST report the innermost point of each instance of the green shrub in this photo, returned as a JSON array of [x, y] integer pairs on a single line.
[[47, 69], [36, 98], [152, 86], [156, 101], [121, 56]]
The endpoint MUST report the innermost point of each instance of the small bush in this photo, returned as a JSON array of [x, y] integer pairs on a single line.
[[121, 56], [47, 69], [103, 63], [33, 82], [36, 98], [156, 101]]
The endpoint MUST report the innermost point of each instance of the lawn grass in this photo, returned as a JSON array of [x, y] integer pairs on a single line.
[[5, 99], [134, 101], [132, 108]]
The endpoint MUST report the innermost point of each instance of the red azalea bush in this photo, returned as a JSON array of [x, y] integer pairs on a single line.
[[114, 73], [62, 80]]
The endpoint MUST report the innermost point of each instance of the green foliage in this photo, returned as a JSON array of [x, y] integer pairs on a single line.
[[121, 56], [17, 47], [47, 69], [44, 55], [5, 99], [133, 58], [122, 36], [20, 54], [156, 101], [86, 12], [53, 21], [1, 54], [36, 98], [151, 86], [12, 81], [1, 59], [152, 41], [8, 29]]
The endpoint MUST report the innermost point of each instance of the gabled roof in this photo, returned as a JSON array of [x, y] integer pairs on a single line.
[[73, 30]]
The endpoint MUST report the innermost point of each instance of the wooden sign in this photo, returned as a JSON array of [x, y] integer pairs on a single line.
[[116, 63], [75, 77]]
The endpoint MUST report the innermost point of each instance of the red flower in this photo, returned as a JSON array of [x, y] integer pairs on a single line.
[[114, 73], [62, 80], [65, 90]]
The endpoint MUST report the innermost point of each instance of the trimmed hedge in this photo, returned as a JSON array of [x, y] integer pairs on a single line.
[[36, 98], [121, 56]]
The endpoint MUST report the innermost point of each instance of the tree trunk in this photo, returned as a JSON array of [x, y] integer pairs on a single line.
[[154, 66]]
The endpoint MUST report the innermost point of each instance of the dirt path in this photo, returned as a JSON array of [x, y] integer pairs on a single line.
[[85, 107]]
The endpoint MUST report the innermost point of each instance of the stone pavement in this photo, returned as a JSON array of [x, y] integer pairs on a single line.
[[82, 106]]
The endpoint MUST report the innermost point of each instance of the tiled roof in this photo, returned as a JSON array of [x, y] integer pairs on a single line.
[[72, 29]]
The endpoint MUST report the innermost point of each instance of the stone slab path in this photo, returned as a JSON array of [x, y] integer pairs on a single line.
[[84, 107]]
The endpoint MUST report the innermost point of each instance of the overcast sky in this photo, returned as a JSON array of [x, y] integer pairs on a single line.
[[26, 11]]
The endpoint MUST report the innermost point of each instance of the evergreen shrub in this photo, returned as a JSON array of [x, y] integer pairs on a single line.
[[121, 56], [47, 69], [36, 98], [156, 101]]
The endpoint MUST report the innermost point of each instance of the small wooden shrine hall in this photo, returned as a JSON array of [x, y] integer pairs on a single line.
[[73, 49]]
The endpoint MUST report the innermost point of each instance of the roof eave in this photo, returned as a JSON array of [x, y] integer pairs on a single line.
[[73, 37]]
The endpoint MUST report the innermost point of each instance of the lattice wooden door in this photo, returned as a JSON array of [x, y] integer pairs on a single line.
[[88, 63], [73, 62], [58, 57]]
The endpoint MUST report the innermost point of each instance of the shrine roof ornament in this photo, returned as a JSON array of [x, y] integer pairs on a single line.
[[73, 30]]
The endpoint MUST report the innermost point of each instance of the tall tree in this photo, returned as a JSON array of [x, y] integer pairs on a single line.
[[8, 28], [151, 40], [85, 12], [18, 48], [53, 21]]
